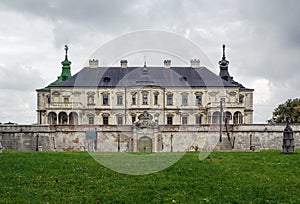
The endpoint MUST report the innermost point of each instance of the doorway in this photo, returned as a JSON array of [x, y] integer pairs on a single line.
[[145, 144]]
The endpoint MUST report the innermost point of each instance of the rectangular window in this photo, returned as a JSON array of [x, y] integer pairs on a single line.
[[169, 100], [120, 120], [91, 120], [105, 100], [241, 98], [184, 120], [170, 120], [133, 118], [134, 99], [155, 99], [90, 99], [184, 100], [145, 99], [198, 119], [198, 100], [105, 120], [66, 100], [119, 100]]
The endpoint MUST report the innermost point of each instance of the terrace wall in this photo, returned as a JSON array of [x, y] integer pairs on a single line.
[[185, 138]]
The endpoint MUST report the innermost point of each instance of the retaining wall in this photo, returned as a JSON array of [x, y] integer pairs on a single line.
[[107, 138]]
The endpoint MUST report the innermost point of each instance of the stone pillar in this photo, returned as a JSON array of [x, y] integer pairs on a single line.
[[155, 138], [288, 145], [135, 140], [1, 148]]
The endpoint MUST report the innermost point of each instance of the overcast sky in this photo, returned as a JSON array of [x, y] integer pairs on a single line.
[[262, 39]]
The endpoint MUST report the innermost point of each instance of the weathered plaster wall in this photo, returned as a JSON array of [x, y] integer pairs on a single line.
[[74, 138]]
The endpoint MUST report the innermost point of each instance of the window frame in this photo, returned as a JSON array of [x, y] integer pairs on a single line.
[[105, 100], [120, 120], [184, 97], [90, 100], [169, 100], [145, 98], [169, 120], [91, 120], [198, 119], [184, 120], [105, 120], [119, 100], [198, 100]]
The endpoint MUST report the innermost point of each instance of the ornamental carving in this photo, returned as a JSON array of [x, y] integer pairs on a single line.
[[145, 120]]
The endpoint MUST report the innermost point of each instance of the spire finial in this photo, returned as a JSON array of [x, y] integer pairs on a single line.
[[224, 74], [66, 49], [145, 64]]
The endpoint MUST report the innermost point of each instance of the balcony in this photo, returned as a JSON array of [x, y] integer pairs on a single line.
[[65, 105], [226, 105]]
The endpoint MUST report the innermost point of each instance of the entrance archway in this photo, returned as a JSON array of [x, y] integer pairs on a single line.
[[145, 144]]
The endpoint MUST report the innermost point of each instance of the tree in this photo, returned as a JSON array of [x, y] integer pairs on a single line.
[[287, 112]]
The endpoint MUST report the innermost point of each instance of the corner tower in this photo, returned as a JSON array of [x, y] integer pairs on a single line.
[[66, 69]]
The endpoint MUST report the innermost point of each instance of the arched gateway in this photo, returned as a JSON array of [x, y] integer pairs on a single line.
[[145, 134], [145, 144]]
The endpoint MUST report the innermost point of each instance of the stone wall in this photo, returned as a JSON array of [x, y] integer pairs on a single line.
[[108, 138]]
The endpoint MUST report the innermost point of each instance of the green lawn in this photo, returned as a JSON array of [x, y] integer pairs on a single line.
[[223, 177]]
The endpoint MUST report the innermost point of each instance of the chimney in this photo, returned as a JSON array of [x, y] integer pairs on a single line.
[[195, 63], [124, 63], [93, 63], [167, 63]]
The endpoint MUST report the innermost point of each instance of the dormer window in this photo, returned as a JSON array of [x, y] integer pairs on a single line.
[[183, 78], [106, 79]]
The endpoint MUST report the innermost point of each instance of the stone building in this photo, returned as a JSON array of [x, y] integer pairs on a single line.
[[168, 95]]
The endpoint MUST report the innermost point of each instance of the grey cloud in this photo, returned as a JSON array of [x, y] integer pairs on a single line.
[[262, 37], [19, 78]]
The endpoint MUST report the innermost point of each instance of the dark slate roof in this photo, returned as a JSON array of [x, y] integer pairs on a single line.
[[146, 76]]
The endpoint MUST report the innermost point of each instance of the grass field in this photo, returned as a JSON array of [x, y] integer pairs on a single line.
[[223, 177]]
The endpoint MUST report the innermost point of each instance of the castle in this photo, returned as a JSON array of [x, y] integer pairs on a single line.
[[146, 108], [118, 95]]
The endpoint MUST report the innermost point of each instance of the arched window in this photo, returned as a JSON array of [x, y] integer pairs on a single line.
[[215, 119], [237, 118], [227, 116], [63, 118], [73, 118], [52, 117]]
